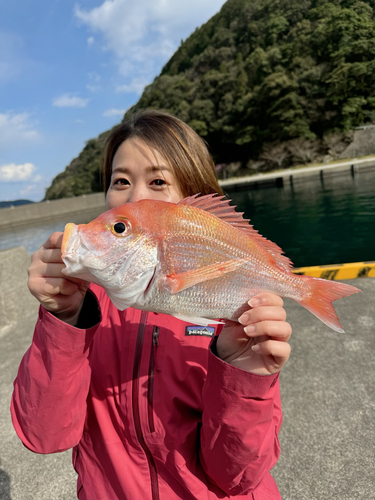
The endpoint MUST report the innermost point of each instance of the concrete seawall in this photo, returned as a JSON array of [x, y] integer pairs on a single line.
[[327, 387], [298, 174], [43, 211]]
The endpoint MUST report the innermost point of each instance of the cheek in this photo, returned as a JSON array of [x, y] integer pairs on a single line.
[[175, 193], [108, 200], [114, 199], [176, 197]]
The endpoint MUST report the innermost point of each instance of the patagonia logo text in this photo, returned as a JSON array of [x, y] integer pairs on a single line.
[[205, 331]]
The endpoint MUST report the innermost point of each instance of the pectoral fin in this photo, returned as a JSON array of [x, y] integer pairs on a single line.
[[182, 281]]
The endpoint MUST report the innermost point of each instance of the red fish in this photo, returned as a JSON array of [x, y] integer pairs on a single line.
[[196, 260]]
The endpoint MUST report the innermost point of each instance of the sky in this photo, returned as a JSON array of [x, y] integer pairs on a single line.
[[69, 70]]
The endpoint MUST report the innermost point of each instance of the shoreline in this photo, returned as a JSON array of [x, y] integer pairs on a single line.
[[17, 216], [277, 177], [50, 210]]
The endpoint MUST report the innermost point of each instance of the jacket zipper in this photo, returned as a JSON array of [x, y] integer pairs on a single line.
[[151, 373], [135, 401]]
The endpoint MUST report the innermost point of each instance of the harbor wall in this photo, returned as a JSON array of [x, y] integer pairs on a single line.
[[279, 178], [46, 210]]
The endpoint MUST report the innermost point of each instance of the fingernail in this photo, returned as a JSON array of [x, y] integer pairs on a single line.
[[254, 302], [242, 319], [255, 348], [249, 329]]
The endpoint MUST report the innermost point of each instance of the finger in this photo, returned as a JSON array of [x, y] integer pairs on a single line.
[[266, 299], [277, 352], [266, 313], [58, 286], [42, 269], [54, 241], [47, 254], [278, 330], [51, 255], [50, 269]]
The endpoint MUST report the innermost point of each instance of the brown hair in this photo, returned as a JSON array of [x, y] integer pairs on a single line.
[[182, 148]]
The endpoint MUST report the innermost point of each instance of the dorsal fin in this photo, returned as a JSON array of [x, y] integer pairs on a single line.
[[219, 206]]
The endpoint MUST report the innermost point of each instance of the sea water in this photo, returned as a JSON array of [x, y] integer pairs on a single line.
[[315, 221]]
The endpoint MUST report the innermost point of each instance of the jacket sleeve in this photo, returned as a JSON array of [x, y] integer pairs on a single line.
[[48, 405], [240, 425]]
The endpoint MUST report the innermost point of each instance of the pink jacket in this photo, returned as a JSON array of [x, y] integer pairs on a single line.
[[150, 410]]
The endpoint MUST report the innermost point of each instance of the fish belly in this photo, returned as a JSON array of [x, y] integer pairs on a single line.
[[226, 296]]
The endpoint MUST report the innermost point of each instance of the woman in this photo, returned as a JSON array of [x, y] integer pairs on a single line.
[[155, 408]]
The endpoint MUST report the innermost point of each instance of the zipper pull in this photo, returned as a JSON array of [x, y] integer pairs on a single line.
[[155, 336], [155, 343]]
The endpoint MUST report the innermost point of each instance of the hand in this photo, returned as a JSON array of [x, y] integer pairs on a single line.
[[57, 293], [258, 343]]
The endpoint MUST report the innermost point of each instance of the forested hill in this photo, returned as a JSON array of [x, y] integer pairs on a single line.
[[265, 82]]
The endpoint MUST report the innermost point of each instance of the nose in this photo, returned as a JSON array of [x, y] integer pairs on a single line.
[[138, 192]]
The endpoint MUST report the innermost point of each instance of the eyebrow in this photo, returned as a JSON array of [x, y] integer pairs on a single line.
[[150, 169]]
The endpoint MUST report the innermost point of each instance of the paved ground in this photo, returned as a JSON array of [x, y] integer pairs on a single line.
[[328, 435], [327, 438]]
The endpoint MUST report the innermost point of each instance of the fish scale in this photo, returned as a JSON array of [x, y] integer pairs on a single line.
[[198, 260]]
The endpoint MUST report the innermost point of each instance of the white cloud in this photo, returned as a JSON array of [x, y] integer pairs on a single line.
[[114, 112], [93, 88], [94, 77], [16, 127], [94, 80], [38, 184], [143, 35], [13, 172], [136, 85], [70, 101], [90, 40], [123, 22]]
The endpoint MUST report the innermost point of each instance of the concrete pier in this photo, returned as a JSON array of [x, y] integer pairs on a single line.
[[279, 178], [90, 203], [47, 210], [327, 438]]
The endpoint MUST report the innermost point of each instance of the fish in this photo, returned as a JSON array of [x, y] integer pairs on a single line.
[[198, 260]]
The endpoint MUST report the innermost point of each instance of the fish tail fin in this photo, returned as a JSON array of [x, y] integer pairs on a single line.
[[322, 294]]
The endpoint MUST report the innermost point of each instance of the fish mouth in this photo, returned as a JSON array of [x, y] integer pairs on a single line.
[[73, 251], [71, 231], [72, 244]]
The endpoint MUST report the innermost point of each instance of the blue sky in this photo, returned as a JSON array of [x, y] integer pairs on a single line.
[[69, 70]]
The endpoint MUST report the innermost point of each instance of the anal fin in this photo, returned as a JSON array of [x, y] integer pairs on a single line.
[[195, 320]]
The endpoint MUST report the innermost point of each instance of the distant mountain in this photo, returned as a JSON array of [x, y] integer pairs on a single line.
[[14, 203], [82, 176], [267, 83]]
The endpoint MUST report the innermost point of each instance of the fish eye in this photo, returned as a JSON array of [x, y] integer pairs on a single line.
[[121, 228]]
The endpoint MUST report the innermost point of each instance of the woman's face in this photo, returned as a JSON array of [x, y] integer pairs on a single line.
[[139, 172]]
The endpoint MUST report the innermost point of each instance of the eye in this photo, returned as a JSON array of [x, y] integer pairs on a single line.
[[121, 228], [121, 182], [159, 182]]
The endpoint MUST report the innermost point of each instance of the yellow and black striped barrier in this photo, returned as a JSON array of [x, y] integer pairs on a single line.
[[339, 271]]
